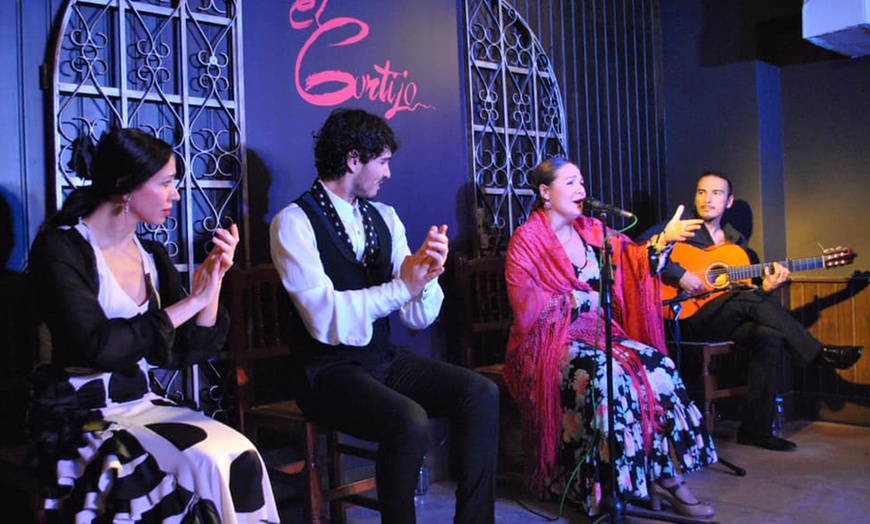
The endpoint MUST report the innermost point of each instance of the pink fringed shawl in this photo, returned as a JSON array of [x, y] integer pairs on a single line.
[[540, 279]]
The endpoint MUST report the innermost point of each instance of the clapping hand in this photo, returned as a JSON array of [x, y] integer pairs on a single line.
[[428, 262], [436, 247], [209, 275], [225, 242]]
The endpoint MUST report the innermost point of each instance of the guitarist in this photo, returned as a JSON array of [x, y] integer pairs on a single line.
[[748, 316]]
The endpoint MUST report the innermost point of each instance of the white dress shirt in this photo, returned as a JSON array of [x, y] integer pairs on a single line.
[[345, 317]]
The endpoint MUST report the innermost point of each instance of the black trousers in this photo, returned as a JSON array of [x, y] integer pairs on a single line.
[[394, 411], [759, 325]]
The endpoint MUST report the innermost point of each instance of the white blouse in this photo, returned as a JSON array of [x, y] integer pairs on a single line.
[[345, 317]]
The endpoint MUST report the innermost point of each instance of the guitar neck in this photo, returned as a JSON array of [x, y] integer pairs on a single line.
[[757, 270]]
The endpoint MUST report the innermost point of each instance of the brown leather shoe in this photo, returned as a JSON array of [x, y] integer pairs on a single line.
[[697, 510]]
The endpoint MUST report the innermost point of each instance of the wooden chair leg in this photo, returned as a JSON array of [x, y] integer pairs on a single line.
[[709, 388], [337, 510], [314, 501]]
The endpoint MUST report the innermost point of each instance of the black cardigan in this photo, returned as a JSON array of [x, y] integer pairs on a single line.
[[64, 276]]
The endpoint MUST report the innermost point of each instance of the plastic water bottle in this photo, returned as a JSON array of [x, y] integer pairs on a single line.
[[422, 480], [778, 415]]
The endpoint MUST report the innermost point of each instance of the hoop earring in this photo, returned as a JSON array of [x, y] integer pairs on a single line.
[[547, 205]]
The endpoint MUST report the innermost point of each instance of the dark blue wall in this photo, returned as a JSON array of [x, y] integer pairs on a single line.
[[430, 170], [826, 130], [430, 174], [24, 31]]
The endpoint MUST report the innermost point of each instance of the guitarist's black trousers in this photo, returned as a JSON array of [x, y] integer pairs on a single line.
[[760, 325]]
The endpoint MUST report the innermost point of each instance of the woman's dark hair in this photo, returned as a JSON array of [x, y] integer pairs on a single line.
[[545, 173], [123, 160], [346, 131]]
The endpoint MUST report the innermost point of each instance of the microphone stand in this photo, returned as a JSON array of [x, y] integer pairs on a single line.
[[614, 509]]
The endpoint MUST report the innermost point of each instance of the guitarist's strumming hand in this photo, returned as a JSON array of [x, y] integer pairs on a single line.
[[774, 277], [692, 283]]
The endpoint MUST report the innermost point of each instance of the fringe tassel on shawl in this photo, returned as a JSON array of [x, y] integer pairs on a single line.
[[542, 422]]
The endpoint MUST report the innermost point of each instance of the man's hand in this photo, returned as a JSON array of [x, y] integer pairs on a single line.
[[427, 263], [692, 283], [775, 277], [678, 230], [436, 247]]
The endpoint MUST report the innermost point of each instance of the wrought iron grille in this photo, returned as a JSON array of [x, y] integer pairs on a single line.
[[173, 68], [516, 119]]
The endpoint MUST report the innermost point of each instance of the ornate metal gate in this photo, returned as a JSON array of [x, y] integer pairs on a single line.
[[174, 69], [516, 117], [170, 67]]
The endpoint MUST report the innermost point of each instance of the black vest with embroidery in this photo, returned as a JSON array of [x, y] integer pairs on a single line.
[[347, 273]]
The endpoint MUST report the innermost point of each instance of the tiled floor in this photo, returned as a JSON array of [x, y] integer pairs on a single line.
[[827, 480]]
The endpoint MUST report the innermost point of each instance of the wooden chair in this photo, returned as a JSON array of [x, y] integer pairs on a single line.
[[485, 313], [701, 367], [483, 319], [258, 341]]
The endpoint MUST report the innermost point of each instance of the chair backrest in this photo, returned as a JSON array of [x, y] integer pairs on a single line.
[[485, 310], [260, 335]]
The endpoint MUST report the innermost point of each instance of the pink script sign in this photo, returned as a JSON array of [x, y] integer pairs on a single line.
[[332, 87]]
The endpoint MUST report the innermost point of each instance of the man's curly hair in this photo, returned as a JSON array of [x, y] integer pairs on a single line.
[[350, 131]]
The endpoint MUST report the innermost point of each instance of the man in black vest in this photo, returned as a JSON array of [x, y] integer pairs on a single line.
[[747, 315], [345, 262]]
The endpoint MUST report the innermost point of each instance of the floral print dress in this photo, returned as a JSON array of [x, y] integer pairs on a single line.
[[582, 462]]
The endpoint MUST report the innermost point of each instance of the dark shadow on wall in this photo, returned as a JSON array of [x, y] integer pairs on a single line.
[[257, 207], [810, 313], [18, 346], [463, 240], [740, 217], [14, 241], [825, 386], [7, 233], [461, 245]]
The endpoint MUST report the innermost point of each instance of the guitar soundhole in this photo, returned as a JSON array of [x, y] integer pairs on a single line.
[[716, 275]]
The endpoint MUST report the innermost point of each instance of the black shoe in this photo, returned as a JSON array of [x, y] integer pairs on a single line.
[[841, 357], [771, 442]]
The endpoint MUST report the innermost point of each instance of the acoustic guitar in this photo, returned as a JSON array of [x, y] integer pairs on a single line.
[[721, 266]]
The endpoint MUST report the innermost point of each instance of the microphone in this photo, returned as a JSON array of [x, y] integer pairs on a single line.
[[598, 205]]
